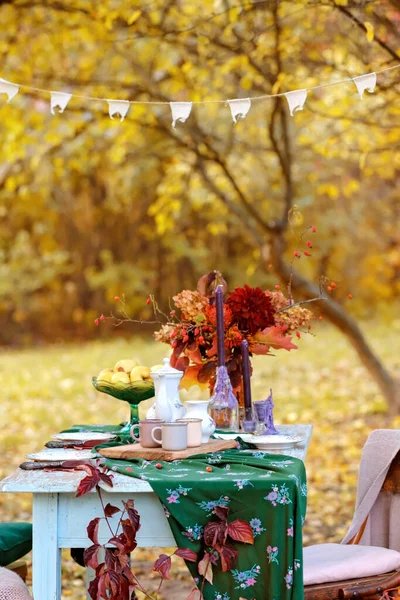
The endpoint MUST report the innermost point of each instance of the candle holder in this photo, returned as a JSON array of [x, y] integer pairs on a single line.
[[265, 412], [224, 406]]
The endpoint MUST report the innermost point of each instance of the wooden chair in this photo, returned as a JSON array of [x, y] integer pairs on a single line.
[[20, 568], [367, 587]]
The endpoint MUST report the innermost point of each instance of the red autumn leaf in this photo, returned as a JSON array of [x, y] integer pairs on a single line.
[[215, 533], [106, 479], [127, 573], [182, 363], [90, 556], [222, 512], [240, 531], [93, 589], [186, 554], [130, 535], [110, 559], [271, 337], [205, 567], [119, 541], [163, 565], [89, 482], [111, 510], [103, 587], [228, 556], [113, 583], [93, 530], [133, 515], [190, 377], [207, 370], [214, 348], [194, 354], [123, 559], [100, 569]]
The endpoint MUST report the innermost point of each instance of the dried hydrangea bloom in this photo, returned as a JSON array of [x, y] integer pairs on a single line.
[[191, 304], [164, 334], [292, 318]]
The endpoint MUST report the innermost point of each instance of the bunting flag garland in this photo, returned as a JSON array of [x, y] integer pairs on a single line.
[[239, 107], [296, 100], [180, 111], [118, 107], [59, 100], [365, 82], [11, 89]]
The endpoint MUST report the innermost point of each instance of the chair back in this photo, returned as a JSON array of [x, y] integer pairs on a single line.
[[392, 481]]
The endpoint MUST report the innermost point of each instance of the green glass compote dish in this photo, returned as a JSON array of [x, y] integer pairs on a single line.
[[134, 393]]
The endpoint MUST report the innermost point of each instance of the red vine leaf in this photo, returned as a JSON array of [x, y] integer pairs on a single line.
[[93, 530], [89, 482], [205, 567], [186, 554], [240, 531], [130, 535], [215, 533], [111, 510], [114, 583], [90, 556], [221, 512], [228, 556], [123, 560], [163, 565], [110, 559], [119, 542], [93, 589], [106, 479], [271, 337], [133, 515]]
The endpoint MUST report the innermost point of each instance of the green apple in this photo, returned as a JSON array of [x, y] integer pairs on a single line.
[[120, 379], [140, 373], [105, 375], [125, 366]]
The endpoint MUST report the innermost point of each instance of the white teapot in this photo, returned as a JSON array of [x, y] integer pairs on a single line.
[[168, 405]]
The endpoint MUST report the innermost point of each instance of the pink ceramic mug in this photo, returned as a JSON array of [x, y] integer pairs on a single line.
[[146, 428], [194, 431]]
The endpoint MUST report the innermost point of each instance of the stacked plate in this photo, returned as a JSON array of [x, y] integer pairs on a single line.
[[83, 436], [270, 443]]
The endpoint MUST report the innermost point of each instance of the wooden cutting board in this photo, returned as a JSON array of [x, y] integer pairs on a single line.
[[136, 451]]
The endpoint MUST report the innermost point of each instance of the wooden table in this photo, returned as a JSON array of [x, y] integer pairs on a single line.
[[60, 519]]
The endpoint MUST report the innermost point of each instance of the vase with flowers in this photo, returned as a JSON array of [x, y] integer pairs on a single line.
[[265, 319]]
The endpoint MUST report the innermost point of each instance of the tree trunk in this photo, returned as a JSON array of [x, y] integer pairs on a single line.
[[306, 290]]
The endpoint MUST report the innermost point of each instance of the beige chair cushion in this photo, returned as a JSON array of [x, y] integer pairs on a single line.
[[326, 563]]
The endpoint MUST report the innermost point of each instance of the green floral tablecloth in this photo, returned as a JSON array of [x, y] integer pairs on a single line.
[[269, 491]]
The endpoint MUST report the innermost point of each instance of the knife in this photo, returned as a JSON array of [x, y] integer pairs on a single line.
[[55, 464]]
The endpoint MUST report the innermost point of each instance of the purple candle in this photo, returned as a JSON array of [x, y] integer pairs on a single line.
[[219, 302], [246, 375]]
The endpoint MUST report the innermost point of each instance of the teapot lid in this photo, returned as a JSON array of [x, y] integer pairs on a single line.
[[167, 370]]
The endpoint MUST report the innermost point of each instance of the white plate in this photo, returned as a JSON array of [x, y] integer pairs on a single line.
[[82, 436], [276, 442], [227, 436], [56, 454]]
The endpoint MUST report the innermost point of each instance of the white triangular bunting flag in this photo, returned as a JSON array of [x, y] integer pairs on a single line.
[[296, 100], [239, 108], [180, 111], [11, 89], [365, 82], [118, 107], [58, 100]]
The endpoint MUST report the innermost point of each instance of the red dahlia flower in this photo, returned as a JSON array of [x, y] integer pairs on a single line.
[[251, 308]]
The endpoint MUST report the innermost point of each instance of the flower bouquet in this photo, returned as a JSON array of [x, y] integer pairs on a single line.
[[266, 319]]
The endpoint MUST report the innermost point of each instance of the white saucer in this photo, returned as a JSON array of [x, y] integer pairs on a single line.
[[82, 436], [273, 442], [59, 454]]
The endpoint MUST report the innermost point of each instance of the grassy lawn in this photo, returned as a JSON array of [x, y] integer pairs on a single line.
[[46, 390]]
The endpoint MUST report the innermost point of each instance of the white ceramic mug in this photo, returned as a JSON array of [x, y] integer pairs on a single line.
[[173, 436], [194, 431]]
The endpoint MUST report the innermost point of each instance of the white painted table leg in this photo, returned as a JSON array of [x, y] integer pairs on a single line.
[[46, 562]]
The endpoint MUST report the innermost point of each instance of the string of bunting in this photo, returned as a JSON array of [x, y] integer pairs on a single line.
[[180, 111]]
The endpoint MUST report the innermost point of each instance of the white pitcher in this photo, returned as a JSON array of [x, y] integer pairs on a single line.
[[199, 409], [168, 405]]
